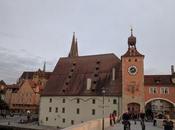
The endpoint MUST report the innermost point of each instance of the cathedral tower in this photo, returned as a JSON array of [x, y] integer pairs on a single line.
[[132, 78]]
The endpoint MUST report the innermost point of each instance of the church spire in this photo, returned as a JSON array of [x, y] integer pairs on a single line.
[[74, 47], [44, 67]]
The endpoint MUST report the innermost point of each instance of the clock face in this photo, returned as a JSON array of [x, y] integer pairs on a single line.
[[132, 70]]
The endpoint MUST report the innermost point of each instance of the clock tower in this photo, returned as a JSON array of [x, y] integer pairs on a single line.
[[132, 78]]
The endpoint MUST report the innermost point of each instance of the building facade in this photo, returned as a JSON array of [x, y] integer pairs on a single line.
[[82, 88], [25, 95]]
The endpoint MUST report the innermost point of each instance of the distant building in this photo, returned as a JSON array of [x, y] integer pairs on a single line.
[[80, 86], [3, 88], [25, 95]]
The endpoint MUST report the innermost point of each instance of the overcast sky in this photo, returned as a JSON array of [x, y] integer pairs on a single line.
[[34, 31]]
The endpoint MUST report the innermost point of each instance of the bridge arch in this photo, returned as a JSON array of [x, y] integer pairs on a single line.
[[158, 106]]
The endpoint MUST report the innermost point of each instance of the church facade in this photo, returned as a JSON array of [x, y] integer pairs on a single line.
[[83, 88]]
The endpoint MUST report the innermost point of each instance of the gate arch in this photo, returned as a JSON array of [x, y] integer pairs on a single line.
[[160, 106], [133, 108]]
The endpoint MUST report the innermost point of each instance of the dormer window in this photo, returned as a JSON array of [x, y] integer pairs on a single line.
[[97, 68], [157, 81], [98, 62], [95, 75], [94, 82]]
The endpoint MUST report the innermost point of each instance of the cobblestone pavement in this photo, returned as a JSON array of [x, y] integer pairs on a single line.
[[149, 126], [14, 121]]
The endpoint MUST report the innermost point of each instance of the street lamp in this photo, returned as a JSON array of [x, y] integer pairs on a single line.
[[103, 92]]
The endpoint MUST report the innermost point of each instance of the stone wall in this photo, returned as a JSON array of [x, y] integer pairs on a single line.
[[90, 125]]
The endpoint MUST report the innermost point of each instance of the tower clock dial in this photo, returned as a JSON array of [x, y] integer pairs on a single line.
[[132, 70]]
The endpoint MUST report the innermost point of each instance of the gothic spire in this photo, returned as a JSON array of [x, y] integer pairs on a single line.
[[74, 47], [44, 67]]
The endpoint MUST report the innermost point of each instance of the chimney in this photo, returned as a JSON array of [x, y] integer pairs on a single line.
[[88, 84], [113, 74], [172, 69]]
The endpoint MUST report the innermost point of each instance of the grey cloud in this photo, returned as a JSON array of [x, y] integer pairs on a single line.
[[13, 64]]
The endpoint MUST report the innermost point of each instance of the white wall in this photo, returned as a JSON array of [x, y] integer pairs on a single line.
[[85, 105], [90, 125]]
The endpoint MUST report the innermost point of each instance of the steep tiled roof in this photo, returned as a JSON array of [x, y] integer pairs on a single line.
[[70, 76], [12, 86], [158, 80], [29, 75]]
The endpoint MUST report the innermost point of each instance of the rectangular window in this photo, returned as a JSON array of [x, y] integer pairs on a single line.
[[164, 90], [78, 100], [93, 101], [114, 101], [64, 100], [78, 111], [63, 110], [93, 111], [152, 90], [72, 122], [50, 109], [50, 100], [47, 119], [64, 120], [56, 109]]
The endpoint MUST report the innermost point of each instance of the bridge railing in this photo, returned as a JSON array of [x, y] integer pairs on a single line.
[[90, 125]]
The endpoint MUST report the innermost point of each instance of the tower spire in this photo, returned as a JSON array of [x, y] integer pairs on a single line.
[[74, 47], [131, 31], [44, 67]]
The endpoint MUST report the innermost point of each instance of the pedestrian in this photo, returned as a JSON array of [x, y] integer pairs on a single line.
[[154, 122], [125, 121], [110, 119], [113, 118], [134, 117], [142, 124], [171, 126], [165, 124]]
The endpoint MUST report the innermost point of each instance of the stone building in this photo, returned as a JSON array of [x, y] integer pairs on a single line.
[[82, 88], [25, 95]]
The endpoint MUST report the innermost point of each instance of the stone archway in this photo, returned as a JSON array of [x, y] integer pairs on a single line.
[[160, 106], [133, 108]]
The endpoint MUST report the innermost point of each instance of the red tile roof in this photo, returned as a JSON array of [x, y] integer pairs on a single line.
[[158, 80], [29, 74], [70, 76]]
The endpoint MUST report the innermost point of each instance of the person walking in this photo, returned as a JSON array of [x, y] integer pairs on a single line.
[[125, 122], [142, 117], [110, 119], [113, 118]]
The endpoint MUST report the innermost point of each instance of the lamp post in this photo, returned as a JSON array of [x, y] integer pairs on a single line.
[[103, 92]]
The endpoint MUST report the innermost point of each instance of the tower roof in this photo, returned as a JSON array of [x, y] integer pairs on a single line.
[[74, 47], [132, 50], [131, 39]]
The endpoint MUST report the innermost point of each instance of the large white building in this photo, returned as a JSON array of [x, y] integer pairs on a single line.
[[80, 87]]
